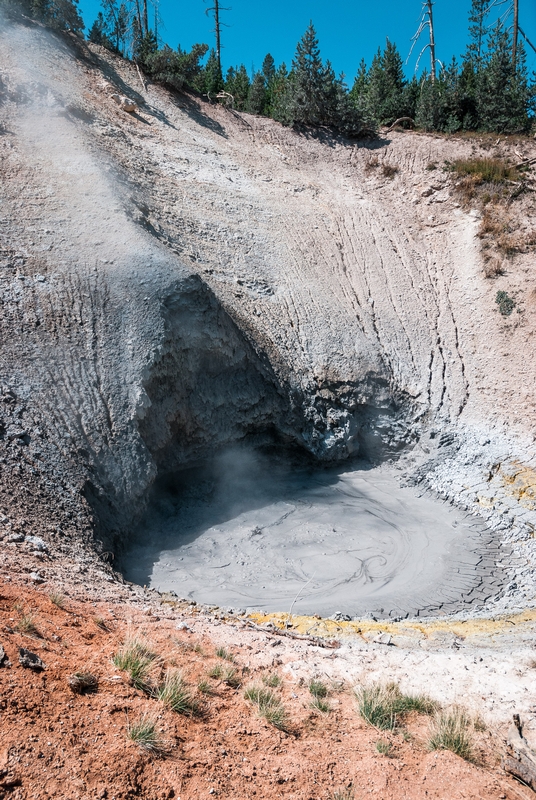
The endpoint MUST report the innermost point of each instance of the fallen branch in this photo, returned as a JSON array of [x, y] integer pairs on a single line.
[[520, 759], [398, 121], [294, 601], [331, 644], [525, 163], [143, 83]]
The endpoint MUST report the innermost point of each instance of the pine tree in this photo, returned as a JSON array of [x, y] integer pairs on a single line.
[[307, 82], [210, 80], [279, 98], [99, 33], [237, 84], [257, 95], [428, 110], [359, 89], [381, 92], [502, 95], [477, 31], [179, 68], [268, 69], [118, 21], [348, 119], [330, 96], [144, 45], [59, 14]]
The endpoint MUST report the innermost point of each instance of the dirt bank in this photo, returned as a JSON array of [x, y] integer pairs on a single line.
[[56, 743]]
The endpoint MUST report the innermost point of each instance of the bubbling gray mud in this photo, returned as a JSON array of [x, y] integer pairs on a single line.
[[253, 532]]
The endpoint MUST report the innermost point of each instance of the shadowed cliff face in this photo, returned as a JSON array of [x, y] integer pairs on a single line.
[[133, 363]]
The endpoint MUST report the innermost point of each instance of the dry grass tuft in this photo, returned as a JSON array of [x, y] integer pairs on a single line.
[[231, 678], [493, 267], [57, 599], [268, 705], [371, 165], [221, 652], [389, 170], [101, 624], [144, 733], [382, 705], [485, 170], [273, 681], [343, 794], [27, 625], [215, 672], [451, 731], [175, 694], [137, 659]]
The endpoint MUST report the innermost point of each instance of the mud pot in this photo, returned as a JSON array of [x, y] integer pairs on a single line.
[[249, 531]]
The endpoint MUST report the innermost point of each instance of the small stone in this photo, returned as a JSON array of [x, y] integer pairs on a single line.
[[16, 537], [4, 660], [30, 660], [38, 543], [36, 577]]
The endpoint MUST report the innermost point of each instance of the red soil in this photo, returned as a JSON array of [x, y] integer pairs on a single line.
[[54, 743]]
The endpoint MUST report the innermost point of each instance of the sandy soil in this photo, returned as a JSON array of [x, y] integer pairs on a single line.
[[55, 743]]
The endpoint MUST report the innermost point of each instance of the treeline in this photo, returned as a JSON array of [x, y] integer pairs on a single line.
[[486, 91], [62, 15]]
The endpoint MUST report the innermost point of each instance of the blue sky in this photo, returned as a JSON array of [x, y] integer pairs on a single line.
[[348, 29]]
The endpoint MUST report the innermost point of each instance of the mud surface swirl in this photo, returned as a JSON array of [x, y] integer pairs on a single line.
[[248, 532]]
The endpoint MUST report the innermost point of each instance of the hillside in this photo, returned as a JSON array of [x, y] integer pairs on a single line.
[[183, 278]]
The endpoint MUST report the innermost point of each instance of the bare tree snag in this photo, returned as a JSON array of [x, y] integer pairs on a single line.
[[426, 21], [432, 40], [145, 19], [515, 34], [216, 8]]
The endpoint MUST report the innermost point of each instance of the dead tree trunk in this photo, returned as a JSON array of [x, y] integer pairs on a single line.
[[217, 31], [145, 19], [432, 40], [515, 34]]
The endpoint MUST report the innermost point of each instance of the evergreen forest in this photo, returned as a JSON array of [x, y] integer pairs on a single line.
[[488, 89]]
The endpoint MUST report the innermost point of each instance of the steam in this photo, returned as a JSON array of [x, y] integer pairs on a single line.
[[252, 530]]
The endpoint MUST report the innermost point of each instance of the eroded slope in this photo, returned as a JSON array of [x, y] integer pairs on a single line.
[[322, 303]]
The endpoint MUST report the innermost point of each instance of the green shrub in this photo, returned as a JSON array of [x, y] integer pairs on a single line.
[[505, 302], [383, 747]]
